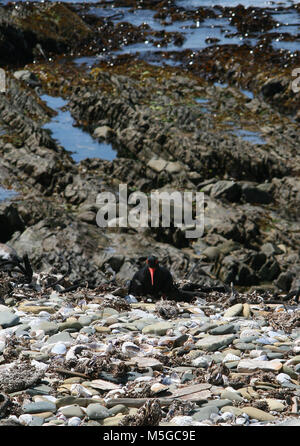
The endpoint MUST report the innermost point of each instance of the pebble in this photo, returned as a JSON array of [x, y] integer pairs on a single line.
[[158, 329], [40, 406], [213, 343], [74, 410], [97, 411], [258, 414], [235, 310], [8, 319], [232, 349]]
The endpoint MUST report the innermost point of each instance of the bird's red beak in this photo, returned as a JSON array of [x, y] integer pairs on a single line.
[[152, 275]]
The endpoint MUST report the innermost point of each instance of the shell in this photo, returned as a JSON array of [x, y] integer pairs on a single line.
[[130, 349]]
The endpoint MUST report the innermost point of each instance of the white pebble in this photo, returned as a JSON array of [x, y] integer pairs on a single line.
[[2, 346], [240, 421], [74, 421], [200, 362], [39, 365], [25, 419], [59, 349], [183, 421], [230, 357], [227, 416], [80, 391], [282, 378]]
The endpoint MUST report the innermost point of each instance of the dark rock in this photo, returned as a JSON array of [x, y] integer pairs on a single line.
[[228, 190], [252, 194]]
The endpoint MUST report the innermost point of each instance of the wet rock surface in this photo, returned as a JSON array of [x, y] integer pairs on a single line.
[[221, 119]]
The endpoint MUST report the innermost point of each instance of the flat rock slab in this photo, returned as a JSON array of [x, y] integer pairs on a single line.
[[145, 362], [222, 329], [188, 390], [212, 343], [38, 407], [250, 365]]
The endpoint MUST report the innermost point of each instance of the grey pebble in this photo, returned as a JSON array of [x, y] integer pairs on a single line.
[[40, 406]]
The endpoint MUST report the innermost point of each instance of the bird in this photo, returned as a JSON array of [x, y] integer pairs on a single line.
[[155, 280]]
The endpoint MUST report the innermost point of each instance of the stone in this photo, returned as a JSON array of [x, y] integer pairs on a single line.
[[222, 329], [228, 190], [118, 409], [212, 252], [85, 320], [49, 328], [276, 405], [232, 396], [8, 319], [174, 167], [233, 311], [27, 76], [74, 410], [35, 309], [246, 310], [252, 194], [232, 409], [113, 421], [219, 403], [96, 411], [258, 414], [250, 365], [70, 323], [40, 406], [204, 413], [157, 164], [145, 362], [62, 337], [103, 132], [213, 343], [158, 329]]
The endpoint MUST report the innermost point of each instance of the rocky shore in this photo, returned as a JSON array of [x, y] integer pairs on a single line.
[[92, 358], [222, 120]]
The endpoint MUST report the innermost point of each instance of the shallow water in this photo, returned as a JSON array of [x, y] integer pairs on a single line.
[[249, 136], [197, 34], [6, 194], [74, 139], [258, 3]]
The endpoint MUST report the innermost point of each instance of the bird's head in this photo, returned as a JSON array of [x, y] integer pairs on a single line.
[[152, 263]]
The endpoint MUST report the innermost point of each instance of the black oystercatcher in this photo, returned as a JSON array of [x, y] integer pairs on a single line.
[[157, 281]]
